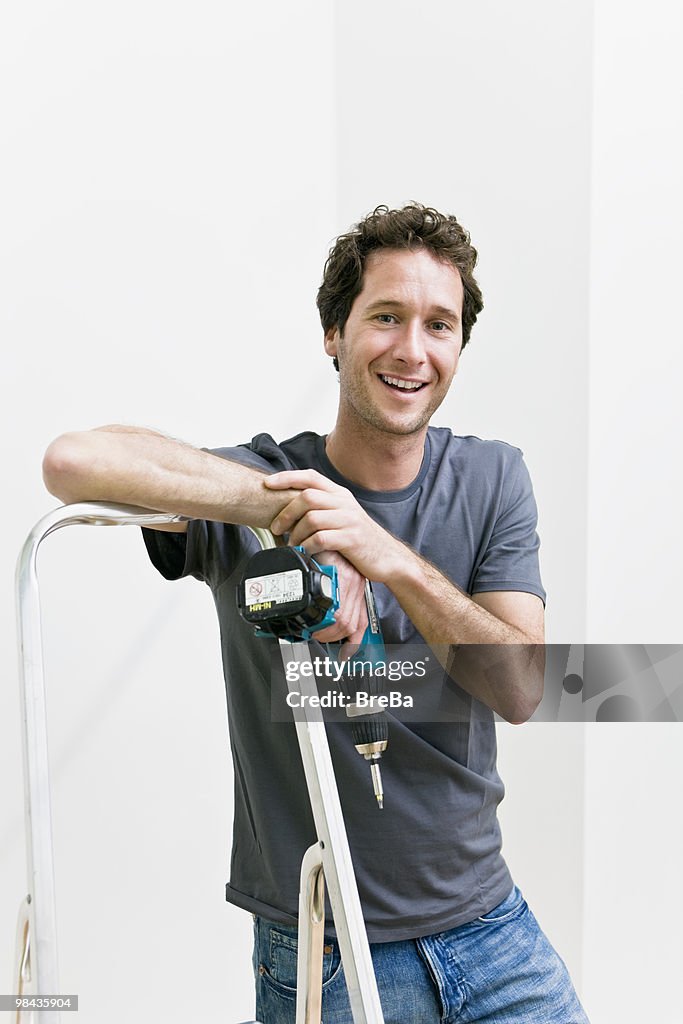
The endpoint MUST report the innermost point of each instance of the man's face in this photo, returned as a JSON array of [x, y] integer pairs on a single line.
[[401, 342]]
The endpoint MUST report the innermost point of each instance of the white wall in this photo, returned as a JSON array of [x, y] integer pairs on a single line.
[[484, 109], [171, 180], [634, 826], [166, 210]]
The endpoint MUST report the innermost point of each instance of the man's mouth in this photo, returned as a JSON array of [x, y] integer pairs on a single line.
[[398, 384]]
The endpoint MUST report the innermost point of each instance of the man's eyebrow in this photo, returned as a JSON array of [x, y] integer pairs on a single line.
[[443, 311]]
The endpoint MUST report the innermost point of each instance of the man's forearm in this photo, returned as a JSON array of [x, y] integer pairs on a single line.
[[137, 466], [439, 609], [495, 662]]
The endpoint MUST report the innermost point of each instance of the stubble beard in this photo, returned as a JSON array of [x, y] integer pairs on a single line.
[[356, 398]]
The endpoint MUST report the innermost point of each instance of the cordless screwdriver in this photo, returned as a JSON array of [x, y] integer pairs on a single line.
[[285, 593]]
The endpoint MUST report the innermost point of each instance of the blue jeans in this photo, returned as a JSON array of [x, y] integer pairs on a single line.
[[497, 969]]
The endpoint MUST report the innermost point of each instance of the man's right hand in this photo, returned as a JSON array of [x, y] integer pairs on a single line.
[[351, 620]]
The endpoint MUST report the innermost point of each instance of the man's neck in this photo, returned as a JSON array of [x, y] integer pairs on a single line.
[[376, 460]]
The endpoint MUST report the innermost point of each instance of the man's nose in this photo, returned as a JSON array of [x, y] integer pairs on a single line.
[[410, 343]]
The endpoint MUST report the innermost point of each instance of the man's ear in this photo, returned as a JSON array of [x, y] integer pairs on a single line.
[[331, 339]]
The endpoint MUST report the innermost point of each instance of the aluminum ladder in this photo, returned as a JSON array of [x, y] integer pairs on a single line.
[[328, 861]]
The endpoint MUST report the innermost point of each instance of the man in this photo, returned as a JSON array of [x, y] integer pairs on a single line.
[[445, 527]]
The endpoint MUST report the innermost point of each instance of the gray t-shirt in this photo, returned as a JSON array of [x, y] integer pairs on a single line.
[[431, 859]]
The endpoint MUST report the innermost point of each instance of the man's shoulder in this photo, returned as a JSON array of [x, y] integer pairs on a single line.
[[264, 452], [467, 452]]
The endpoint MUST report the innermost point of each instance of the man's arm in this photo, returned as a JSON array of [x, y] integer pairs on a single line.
[[324, 515], [136, 466], [492, 642]]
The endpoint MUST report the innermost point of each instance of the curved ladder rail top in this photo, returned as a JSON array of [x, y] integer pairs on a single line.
[[37, 931]]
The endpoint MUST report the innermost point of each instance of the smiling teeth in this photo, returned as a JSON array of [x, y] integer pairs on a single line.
[[408, 385]]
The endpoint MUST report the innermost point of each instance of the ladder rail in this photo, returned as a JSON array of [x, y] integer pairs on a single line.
[[38, 959], [37, 954], [337, 865]]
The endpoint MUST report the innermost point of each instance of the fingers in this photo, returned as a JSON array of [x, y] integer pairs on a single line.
[[305, 502], [331, 634], [317, 532], [352, 644], [351, 618], [348, 619], [298, 479]]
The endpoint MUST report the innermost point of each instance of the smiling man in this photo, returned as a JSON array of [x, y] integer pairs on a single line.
[[445, 526], [400, 348]]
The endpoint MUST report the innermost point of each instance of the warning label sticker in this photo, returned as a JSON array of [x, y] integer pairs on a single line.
[[279, 588]]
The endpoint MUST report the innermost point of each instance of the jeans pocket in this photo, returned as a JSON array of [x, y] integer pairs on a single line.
[[278, 954], [511, 906]]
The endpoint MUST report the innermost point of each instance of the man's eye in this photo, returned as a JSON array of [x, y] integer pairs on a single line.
[[386, 318], [440, 325]]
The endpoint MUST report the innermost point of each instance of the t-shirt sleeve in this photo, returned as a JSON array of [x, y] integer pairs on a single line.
[[209, 550], [206, 551], [510, 561]]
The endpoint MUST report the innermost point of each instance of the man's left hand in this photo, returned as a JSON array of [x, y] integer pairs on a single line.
[[324, 516]]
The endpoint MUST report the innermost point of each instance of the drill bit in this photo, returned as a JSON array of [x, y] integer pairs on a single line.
[[370, 725], [377, 783]]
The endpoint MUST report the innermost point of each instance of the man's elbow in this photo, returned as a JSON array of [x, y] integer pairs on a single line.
[[64, 466], [526, 704], [521, 713]]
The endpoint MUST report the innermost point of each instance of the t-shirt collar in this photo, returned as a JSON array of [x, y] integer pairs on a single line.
[[364, 493]]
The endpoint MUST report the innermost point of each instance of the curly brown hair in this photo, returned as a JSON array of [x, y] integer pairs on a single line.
[[413, 226]]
